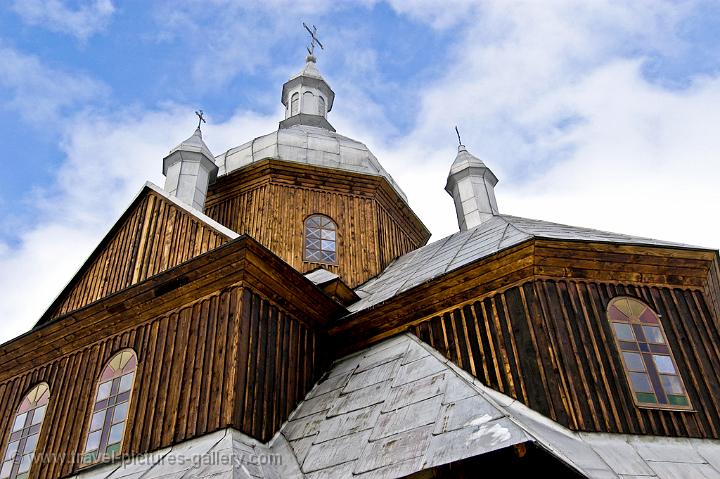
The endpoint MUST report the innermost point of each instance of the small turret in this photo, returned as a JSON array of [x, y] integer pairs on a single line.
[[472, 186], [189, 169]]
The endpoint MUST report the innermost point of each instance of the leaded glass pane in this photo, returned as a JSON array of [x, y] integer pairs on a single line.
[[646, 398], [19, 422], [634, 361], [328, 245], [93, 440], [624, 332], [30, 443], [116, 433], [120, 413], [12, 449], [98, 419], [126, 382], [664, 364], [641, 382], [113, 449], [678, 400], [617, 315], [648, 317], [6, 469], [103, 391], [38, 415], [25, 463], [653, 334], [671, 384]]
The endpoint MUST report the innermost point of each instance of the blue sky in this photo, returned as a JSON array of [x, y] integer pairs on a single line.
[[596, 113]]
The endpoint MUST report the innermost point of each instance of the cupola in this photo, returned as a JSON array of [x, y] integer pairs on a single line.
[[307, 98], [472, 187], [189, 169]]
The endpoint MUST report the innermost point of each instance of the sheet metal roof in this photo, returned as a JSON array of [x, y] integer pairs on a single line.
[[464, 247], [400, 407], [310, 145]]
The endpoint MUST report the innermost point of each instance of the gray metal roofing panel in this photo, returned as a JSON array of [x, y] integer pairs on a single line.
[[321, 276], [389, 410], [310, 145], [429, 412], [465, 247]]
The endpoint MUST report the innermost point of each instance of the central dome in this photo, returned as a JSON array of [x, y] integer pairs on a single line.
[[309, 145]]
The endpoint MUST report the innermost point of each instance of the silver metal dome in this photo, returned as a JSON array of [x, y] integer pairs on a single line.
[[308, 145]]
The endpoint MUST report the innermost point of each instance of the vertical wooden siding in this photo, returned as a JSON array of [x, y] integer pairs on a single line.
[[229, 359], [369, 238], [548, 344], [154, 237], [712, 286]]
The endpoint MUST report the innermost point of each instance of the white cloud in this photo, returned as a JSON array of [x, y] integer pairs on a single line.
[[39, 93], [82, 22], [552, 96], [108, 157]]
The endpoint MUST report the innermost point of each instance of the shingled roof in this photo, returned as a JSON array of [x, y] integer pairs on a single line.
[[462, 248], [400, 407]]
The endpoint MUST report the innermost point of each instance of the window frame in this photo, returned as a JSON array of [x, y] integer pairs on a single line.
[[627, 371], [40, 402], [103, 457], [304, 240]]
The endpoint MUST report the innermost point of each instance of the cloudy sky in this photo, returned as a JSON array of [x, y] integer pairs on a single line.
[[594, 113]]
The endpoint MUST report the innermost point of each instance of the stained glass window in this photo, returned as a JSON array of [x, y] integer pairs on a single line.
[[110, 410], [24, 434], [320, 239], [649, 363]]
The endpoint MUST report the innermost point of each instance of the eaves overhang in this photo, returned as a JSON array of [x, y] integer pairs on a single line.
[[242, 261]]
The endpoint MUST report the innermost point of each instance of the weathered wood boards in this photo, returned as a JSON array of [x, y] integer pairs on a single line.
[[270, 200], [534, 258], [530, 322], [152, 236], [232, 337], [548, 344], [712, 286]]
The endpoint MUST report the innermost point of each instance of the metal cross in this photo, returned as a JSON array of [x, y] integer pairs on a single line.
[[201, 118], [458, 135], [313, 39]]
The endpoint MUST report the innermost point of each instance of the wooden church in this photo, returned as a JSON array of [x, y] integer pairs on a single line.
[[275, 312]]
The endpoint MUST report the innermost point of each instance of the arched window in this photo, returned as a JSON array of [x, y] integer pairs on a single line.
[[649, 364], [308, 102], [321, 106], [294, 103], [320, 239], [25, 433], [111, 405]]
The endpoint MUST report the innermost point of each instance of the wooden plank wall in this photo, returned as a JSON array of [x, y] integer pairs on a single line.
[[712, 287], [368, 236], [548, 343], [229, 359], [154, 237]]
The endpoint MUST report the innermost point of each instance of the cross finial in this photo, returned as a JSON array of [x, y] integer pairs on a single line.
[[458, 135], [313, 39], [201, 117]]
